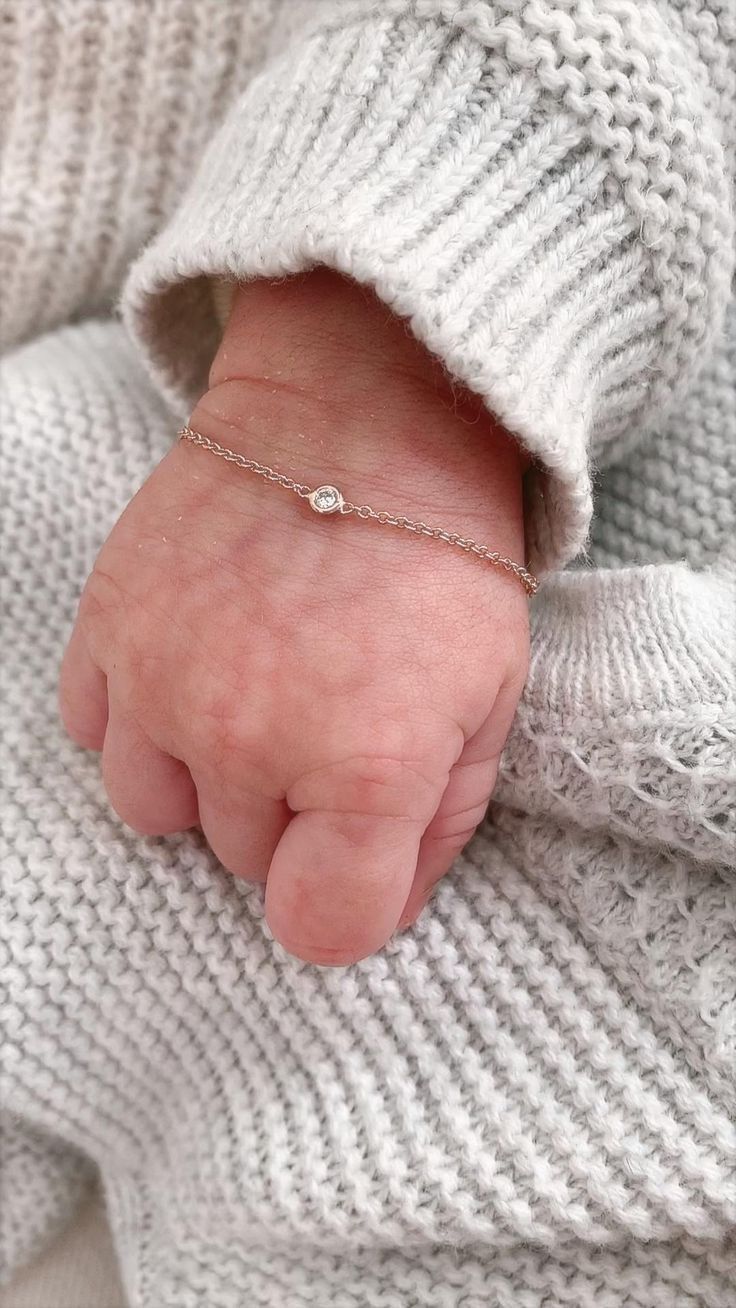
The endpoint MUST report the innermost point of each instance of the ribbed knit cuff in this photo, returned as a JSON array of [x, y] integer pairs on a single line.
[[440, 164]]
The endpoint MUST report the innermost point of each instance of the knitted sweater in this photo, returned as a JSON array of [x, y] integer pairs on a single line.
[[528, 1100]]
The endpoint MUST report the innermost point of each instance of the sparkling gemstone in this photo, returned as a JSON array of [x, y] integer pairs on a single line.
[[325, 499]]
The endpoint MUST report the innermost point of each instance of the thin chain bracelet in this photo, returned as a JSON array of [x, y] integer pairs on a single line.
[[328, 499]]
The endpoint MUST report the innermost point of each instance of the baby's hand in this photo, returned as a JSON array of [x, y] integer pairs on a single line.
[[326, 697]]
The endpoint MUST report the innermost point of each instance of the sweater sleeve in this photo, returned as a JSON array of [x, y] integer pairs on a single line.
[[104, 108], [541, 189]]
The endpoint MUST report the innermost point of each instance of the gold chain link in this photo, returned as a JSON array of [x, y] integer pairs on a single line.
[[382, 516]]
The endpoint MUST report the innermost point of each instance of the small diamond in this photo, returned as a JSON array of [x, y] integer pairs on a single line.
[[325, 499]]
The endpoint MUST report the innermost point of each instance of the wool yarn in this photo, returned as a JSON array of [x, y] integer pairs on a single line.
[[527, 1101]]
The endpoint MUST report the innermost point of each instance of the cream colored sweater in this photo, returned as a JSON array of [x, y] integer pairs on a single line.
[[529, 1100]]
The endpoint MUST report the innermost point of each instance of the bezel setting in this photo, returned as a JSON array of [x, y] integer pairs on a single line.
[[326, 499]]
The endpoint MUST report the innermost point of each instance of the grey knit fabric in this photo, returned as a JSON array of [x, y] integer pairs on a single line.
[[528, 1101], [105, 109], [669, 498]]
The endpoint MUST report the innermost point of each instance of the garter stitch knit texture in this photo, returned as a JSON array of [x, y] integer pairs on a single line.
[[528, 1101]]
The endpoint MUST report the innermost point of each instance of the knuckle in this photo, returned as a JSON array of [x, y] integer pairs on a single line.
[[137, 812], [369, 786], [230, 746], [456, 829], [83, 734], [99, 604], [84, 717], [100, 597], [128, 811], [219, 738]]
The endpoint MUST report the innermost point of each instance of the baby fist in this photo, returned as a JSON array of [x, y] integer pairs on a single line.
[[326, 697]]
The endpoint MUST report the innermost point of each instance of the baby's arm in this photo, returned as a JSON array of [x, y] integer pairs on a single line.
[[328, 697]]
